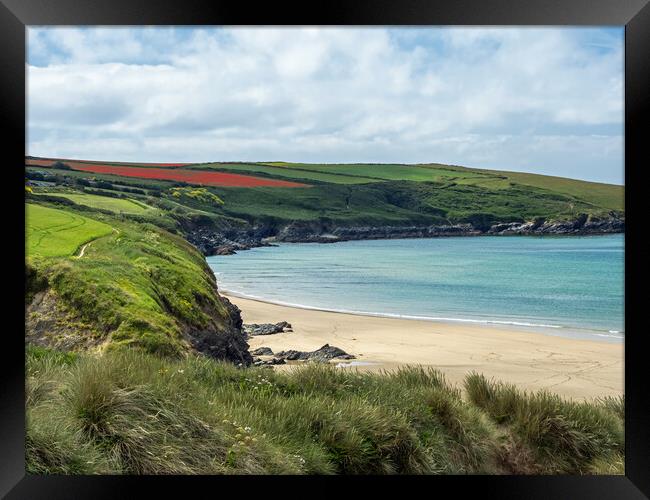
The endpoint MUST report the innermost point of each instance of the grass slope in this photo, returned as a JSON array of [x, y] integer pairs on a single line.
[[138, 286], [604, 195], [117, 205], [404, 203], [132, 413], [351, 194], [595, 196], [51, 232]]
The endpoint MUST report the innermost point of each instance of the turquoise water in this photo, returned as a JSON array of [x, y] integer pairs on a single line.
[[569, 286]]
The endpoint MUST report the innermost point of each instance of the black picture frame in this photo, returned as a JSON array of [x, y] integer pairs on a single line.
[[15, 15]]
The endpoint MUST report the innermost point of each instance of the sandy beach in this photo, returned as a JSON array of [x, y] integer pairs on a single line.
[[579, 369]]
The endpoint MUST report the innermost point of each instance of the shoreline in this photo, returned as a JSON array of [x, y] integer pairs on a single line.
[[235, 245], [540, 328], [574, 368]]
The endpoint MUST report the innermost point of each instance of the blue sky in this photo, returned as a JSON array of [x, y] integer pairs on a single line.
[[545, 100]]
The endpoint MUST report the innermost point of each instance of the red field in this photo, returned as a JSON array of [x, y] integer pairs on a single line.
[[148, 171], [172, 174]]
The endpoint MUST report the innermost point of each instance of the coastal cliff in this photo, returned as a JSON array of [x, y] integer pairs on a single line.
[[138, 287], [213, 241]]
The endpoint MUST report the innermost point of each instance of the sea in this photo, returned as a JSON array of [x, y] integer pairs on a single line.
[[569, 286]]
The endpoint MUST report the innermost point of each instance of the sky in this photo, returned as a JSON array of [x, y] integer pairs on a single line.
[[547, 100]]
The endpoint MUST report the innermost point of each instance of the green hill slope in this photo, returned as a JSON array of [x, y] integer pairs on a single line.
[[134, 285], [598, 195], [350, 201]]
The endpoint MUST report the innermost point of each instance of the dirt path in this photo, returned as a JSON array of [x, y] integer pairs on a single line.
[[83, 249]]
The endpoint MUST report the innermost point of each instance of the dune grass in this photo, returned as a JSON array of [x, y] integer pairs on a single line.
[[128, 412], [564, 436]]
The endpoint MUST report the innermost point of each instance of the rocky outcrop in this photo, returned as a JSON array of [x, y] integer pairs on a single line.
[[222, 341], [322, 355], [304, 232], [48, 323], [262, 351], [212, 241], [581, 225], [268, 358], [254, 329], [268, 362]]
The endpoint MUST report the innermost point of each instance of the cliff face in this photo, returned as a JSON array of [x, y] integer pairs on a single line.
[[222, 338], [217, 242], [51, 322], [579, 226]]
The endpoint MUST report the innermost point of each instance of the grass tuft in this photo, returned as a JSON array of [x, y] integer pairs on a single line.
[[130, 412], [565, 436]]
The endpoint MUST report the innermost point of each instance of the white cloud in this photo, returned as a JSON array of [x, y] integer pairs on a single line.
[[485, 97]]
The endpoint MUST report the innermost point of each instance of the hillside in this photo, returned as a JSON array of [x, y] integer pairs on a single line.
[[136, 364], [329, 202], [98, 281]]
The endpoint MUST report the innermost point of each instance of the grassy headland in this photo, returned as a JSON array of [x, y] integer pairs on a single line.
[[135, 285]]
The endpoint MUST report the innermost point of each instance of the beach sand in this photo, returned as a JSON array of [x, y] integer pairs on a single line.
[[579, 369]]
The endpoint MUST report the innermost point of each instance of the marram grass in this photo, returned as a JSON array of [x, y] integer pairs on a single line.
[[128, 412]]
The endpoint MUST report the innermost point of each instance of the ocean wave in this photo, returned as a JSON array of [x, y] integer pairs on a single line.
[[609, 336]]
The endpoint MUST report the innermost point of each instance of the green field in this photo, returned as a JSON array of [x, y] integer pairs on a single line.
[[117, 205], [385, 194], [599, 195], [348, 173], [403, 203], [604, 195], [296, 174], [388, 172], [52, 232]]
